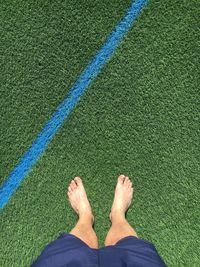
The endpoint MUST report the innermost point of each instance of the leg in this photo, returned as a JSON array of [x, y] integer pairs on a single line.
[[79, 202], [120, 227]]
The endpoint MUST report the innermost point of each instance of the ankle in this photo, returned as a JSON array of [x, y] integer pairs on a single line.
[[86, 216], [117, 216]]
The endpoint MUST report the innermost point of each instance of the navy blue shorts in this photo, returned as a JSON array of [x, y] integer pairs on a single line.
[[70, 251]]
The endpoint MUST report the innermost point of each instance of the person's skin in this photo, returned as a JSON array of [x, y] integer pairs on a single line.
[[120, 228]]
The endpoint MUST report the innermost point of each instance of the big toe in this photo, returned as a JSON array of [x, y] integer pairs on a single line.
[[121, 179], [78, 180]]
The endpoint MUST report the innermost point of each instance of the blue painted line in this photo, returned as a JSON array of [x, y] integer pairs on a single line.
[[63, 110]]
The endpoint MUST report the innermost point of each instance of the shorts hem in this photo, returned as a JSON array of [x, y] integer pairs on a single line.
[[134, 238], [75, 237]]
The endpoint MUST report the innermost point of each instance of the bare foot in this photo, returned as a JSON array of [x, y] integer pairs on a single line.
[[78, 198], [123, 196]]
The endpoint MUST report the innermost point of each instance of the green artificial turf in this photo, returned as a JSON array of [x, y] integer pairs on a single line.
[[140, 117], [44, 47]]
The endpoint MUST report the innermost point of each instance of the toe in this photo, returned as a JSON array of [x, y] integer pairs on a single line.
[[78, 180], [126, 181], [132, 190], [69, 189], [73, 184], [129, 184], [121, 178]]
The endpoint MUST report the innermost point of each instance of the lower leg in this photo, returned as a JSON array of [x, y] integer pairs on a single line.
[[79, 202], [84, 230], [120, 227]]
